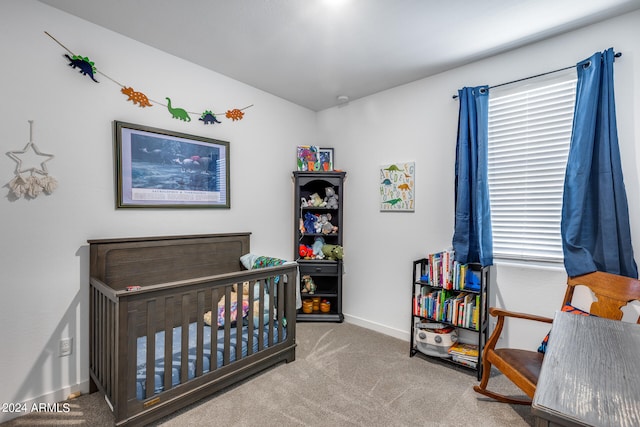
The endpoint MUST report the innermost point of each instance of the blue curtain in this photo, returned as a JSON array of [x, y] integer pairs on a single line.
[[595, 217], [472, 241]]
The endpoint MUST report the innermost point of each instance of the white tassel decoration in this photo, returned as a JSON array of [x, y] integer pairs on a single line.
[[33, 187], [18, 186], [49, 184]]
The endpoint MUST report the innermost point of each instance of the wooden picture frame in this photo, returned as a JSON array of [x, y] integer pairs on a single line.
[[157, 168]]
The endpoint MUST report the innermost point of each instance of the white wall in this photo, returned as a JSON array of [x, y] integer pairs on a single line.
[[418, 122], [44, 254]]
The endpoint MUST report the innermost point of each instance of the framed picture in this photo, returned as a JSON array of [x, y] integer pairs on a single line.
[[157, 168], [325, 158], [397, 187], [307, 157]]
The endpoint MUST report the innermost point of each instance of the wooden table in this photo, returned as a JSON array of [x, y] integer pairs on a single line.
[[590, 374]]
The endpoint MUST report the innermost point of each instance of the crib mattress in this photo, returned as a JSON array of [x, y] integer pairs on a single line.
[[160, 364]]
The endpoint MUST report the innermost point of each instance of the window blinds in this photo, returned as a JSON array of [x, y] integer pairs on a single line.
[[529, 137]]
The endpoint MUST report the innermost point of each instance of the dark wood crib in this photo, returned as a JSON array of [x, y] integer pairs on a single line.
[[151, 349]]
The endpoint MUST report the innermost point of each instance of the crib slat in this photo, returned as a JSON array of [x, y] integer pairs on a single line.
[[271, 306], [92, 329], [227, 326], [250, 317], [214, 330], [127, 317], [280, 308], [110, 335], [200, 335], [168, 342], [261, 311], [184, 345], [239, 317], [151, 348], [99, 337]]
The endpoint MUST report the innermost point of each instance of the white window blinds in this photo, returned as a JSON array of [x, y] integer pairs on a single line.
[[529, 136]]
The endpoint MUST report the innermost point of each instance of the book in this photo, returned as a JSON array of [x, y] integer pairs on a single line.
[[464, 349], [466, 362]]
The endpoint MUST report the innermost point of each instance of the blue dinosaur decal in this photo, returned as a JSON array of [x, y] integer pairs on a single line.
[[209, 118], [86, 67]]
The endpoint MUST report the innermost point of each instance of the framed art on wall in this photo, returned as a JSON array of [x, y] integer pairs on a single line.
[[397, 187], [325, 158], [157, 168]]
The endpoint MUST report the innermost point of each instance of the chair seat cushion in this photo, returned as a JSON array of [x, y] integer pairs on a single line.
[[526, 363]]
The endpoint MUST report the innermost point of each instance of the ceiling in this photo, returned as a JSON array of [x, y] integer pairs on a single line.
[[310, 52]]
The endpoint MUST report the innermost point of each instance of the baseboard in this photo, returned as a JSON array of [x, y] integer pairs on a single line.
[[27, 406], [378, 327]]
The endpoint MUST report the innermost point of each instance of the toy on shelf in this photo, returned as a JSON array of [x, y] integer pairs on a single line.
[[305, 251], [309, 286], [333, 252], [317, 248], [326, 226], [331, 198], [310, 222], [316, 201]]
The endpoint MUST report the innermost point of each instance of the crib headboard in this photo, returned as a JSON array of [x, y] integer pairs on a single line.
[[146, 261]]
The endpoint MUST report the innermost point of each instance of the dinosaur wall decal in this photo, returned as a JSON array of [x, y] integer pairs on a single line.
[[86, 66], [136, 97], [209, 118], [178, 113]]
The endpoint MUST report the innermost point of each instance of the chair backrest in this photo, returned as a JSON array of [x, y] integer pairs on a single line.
[[611, 292]]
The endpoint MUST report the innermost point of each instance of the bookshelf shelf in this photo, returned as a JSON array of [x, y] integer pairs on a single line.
[[326, 274], [449, 311]]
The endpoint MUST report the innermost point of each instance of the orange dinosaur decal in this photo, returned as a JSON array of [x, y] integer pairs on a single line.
[[136, 97], [234, 114]]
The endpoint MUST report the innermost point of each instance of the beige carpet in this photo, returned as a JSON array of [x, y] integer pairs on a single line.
[[344, 375]]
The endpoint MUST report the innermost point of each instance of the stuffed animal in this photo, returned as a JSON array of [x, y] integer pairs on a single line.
[[310, 222], [333, 252], [304, 203], [309, 285], [317, 248], [316, 201], [327, 227], [305, 251], [331, 198]]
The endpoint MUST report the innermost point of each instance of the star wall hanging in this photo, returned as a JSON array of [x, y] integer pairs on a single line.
[[38, 180]]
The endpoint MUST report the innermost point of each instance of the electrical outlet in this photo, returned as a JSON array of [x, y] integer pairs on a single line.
[[66, 347]]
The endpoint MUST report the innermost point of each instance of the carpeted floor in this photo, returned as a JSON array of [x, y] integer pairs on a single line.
[[344, 375]]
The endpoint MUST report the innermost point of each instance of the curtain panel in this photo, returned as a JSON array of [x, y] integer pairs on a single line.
[[595, 227], [472, 239]]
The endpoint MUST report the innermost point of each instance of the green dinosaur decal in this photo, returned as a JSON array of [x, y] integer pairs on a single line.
[[392, 202], [393, 168], [178, 113]]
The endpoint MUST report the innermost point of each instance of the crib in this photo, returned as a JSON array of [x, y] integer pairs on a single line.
[[174, 319]]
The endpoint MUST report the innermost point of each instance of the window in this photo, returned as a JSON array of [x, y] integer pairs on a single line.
[[529, 137]]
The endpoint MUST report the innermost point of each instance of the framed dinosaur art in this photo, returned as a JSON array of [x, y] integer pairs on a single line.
[[158, 168], [397, 181]]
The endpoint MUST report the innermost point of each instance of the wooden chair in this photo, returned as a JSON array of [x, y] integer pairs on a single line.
[[522, 367]]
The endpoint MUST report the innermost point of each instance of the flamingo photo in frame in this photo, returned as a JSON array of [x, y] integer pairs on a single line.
[[397, 192], [157, 168]]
